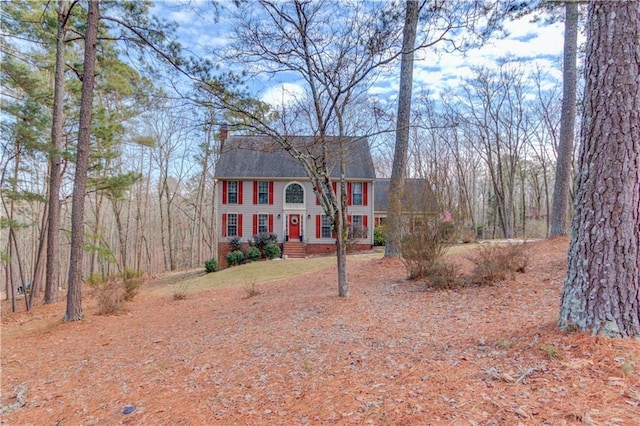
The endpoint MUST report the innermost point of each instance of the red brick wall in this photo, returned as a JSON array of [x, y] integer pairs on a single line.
[[312, 249], [331, 248]]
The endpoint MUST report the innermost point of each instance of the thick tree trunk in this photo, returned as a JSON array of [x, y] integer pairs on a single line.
[[53, 220], [602, 289], [567, 122], [399, 171], [74, 292]]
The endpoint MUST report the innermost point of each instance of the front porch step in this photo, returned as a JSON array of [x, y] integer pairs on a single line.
[[294, 249]]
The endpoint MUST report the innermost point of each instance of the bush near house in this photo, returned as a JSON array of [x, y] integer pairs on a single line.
[[262, 239], [235, 244], [211, 265], [253, 253], [272, 251], [379, 236], [235, 257]]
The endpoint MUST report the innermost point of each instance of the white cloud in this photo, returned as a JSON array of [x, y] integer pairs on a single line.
[[283, 94], [208, 41], [531, 42]]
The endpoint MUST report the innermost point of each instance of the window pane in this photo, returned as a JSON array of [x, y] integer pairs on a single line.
[[295, 194], [232, 225], [263, 223], [357, 229], [232, 192], [326, 227], [357, 193], [263, 192]]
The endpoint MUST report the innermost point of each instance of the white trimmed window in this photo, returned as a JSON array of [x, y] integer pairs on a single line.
[[327, 227], [263, 223], [232, 192], [356, 189], [232, 225]]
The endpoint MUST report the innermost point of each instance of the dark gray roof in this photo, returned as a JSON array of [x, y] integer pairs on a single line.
[[262, 156], [417, 192]]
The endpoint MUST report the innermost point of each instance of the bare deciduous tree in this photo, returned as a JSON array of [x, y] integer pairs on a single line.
[[493, 108], [336, 69]]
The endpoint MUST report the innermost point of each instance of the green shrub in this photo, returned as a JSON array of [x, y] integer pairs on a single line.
[[263, 238], [379, 235], [132, 273], [211, 265], [95, 279], [235, 257], [253, 253], [272, 251], [235, 244]]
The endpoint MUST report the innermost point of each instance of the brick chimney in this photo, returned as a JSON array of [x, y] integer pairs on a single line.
[[224, 134]]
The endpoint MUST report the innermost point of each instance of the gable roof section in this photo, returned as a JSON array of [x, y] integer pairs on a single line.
[[418, 195], [262, 157]]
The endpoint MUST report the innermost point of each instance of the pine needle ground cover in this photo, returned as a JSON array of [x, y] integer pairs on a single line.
[[395, 352]]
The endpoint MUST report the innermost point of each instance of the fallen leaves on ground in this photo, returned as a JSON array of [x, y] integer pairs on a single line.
[[392, 353]]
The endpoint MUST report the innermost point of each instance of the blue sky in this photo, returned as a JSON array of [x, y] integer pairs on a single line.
[[534, 43]]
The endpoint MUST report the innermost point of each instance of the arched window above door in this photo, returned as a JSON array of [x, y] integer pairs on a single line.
[[294, 194]]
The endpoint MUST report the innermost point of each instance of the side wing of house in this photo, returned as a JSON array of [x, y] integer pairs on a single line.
[[418, 201]]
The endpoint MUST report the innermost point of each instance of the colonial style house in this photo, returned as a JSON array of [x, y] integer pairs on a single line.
[[262, 188]]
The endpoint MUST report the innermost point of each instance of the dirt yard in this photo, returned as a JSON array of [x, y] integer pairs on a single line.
[[393, 353]]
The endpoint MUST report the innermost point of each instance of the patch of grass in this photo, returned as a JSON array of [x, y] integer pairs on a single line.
[[504, 344], [629, 364], [551, 352], [259, 272]]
